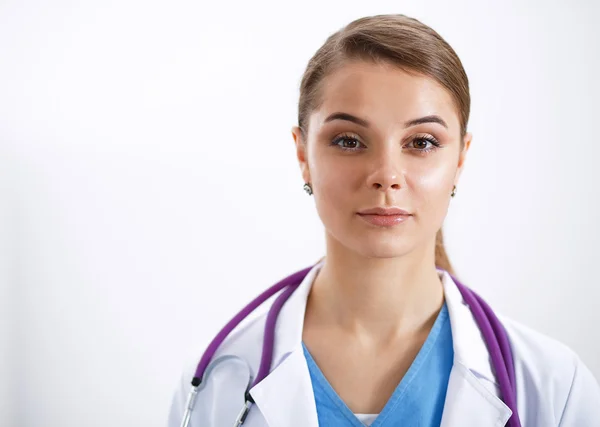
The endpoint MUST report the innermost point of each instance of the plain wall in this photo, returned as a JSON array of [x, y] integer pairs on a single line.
[[150, 186]]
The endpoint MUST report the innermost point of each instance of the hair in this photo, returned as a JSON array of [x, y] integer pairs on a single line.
[[403, 42]]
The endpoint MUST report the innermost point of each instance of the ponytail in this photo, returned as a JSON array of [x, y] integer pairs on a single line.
[[441, 257]]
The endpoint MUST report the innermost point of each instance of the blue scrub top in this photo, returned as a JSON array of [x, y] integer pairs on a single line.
[[418, 400]]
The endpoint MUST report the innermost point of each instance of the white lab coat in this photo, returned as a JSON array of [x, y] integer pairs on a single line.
[[554, 387]]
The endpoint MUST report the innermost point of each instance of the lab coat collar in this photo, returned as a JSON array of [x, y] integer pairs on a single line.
[[472, 395], [469, 347]]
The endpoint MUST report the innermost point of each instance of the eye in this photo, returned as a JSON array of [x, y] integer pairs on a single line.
[[424, 143], [351, 140]]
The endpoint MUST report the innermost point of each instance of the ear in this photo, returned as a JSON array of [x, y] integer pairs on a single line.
[[463, 156], [301, 153]]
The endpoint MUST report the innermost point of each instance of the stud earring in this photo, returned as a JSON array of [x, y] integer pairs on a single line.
[[453, 192], [308, 188]]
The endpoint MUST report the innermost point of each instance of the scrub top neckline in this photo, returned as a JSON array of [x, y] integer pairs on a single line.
[[400, 389]]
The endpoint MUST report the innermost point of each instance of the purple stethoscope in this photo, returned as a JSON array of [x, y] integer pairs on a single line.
[[492, 330]]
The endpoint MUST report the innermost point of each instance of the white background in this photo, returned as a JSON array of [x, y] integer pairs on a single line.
[[149, 186]]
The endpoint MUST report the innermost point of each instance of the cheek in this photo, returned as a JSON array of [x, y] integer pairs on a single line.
[[431, 186], [432, 178], [336, 182], [332, 174]]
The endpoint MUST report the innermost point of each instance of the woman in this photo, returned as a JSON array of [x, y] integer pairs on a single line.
[[377, 333]]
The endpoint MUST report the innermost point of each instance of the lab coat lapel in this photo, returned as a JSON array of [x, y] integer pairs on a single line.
[[470, 404], [472, 398], [285, 397]]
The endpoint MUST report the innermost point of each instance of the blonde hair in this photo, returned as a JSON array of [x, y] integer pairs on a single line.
[[399, 40]]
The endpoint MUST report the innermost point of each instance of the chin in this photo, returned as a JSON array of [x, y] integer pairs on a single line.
[[383, 254], [378, 248], [374, 243]]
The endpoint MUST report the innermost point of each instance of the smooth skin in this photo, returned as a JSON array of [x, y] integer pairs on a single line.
[[378, 293]]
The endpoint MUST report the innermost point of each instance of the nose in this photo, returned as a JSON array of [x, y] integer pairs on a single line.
[[387, 173]]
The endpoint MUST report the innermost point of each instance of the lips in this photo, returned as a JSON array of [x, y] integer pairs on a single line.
[[384, 220], [393, 210]]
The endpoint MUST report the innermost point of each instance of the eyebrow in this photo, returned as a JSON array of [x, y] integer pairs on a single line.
[[364, 123]]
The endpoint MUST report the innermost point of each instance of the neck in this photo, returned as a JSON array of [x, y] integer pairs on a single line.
[[376, 299]]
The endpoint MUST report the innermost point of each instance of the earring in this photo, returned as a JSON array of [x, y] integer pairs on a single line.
[[453, 192], [308, 188]]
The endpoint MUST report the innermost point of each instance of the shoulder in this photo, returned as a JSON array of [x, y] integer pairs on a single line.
[[552, 376], [541, 351]]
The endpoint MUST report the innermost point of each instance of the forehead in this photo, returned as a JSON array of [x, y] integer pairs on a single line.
[[383, 93]]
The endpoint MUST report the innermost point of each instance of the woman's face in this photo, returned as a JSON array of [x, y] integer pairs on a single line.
[[381, 159]]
